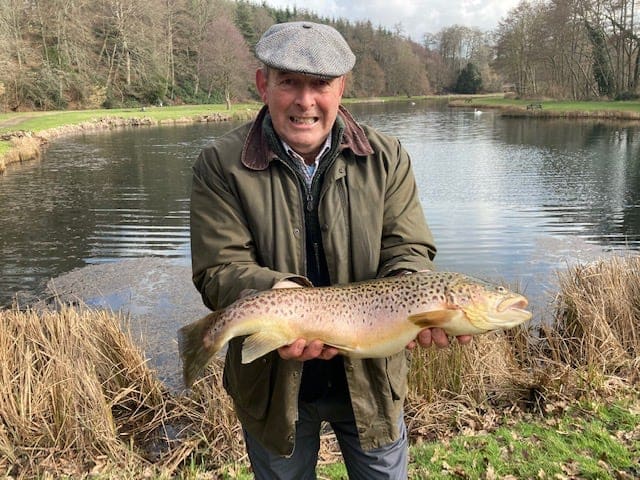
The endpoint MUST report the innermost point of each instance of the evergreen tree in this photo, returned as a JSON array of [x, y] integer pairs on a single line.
[[469, 80]]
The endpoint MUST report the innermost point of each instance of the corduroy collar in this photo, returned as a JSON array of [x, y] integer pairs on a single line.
[[256, 153]]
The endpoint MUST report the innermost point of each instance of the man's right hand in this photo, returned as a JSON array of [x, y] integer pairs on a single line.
[[287, 284], [301, 351]]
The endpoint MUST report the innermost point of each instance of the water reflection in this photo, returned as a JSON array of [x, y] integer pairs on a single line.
[[95, 199]]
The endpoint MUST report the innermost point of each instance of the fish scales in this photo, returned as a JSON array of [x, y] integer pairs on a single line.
[[365, 319]]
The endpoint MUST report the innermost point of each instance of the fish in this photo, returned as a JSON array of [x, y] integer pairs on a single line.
[[367, 319]]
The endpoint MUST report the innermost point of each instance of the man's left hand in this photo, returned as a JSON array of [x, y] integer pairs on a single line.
[[437, 337]]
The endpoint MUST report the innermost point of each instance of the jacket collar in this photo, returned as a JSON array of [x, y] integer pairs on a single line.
[[256, 153]]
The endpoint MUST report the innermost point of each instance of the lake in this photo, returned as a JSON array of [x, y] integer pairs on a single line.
[[513, 200]]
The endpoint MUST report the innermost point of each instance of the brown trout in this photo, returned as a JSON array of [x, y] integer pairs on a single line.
[[370, 319]]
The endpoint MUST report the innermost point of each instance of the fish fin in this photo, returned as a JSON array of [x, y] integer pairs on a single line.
[[261, 343], [247, 292], [434, 318], [194, 348]]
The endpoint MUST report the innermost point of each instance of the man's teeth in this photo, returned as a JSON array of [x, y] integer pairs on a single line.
[[305, 120]]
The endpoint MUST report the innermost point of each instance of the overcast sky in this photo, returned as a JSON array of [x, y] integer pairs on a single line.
[[416, 16]]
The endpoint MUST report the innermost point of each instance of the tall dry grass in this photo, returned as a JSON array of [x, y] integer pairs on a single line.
[[591, 348], [598, 315], [22, 149], [77, 397]]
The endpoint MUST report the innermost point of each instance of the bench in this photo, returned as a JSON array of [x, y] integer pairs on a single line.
[[534, 106]]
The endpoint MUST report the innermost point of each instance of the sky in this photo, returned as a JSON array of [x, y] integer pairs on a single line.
[[417, 17]]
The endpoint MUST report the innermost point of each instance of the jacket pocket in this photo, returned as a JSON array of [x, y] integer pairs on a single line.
[[248, 384], [397, 371]]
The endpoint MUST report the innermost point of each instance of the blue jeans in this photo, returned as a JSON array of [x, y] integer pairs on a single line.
[[389, 462]]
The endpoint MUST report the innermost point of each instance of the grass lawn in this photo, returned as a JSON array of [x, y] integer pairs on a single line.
[[38, 121], [586, 441], [558, 105]]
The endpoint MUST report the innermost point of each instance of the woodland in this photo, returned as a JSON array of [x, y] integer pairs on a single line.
[[79, 54]]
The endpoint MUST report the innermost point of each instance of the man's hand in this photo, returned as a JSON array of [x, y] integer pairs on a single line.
[[300, 350], [437, 336], [286, 284]]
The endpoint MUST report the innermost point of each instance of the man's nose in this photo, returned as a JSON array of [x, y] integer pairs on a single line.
[[305, 96]]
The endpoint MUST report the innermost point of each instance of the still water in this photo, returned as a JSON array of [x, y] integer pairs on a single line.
[[507, 199]]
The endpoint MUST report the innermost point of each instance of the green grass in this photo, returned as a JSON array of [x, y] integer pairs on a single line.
[[596, 441], [587, 441], [38, 121], [561, 106], [583, 443]]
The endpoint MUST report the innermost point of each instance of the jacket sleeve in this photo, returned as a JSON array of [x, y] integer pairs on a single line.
[[222, 249], [407, 242]]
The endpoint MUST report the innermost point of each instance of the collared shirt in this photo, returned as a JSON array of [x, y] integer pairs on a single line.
[[309, 170]]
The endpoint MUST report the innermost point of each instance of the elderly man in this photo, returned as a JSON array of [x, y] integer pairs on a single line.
[[302, 196]]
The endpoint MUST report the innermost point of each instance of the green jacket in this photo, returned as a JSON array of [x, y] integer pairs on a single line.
[[247, 232]]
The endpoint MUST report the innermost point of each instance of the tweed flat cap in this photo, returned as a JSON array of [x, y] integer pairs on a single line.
[[305, 47]]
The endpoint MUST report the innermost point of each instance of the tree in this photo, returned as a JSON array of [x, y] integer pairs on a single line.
[[458, 45], [469, 80], [518, 40], [601, 66], [226, 64]]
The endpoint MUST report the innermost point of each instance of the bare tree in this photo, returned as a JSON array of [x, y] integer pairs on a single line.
[[226, 64]]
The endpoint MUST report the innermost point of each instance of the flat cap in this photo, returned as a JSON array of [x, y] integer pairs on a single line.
[[305, 47]]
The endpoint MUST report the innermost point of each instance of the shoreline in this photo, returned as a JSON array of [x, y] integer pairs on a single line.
[[21, 145], [25, 145]]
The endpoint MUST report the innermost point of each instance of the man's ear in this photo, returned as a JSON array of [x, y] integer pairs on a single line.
[[261, 84]]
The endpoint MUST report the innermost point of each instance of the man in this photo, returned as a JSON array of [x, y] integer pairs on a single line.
[[303, 196]]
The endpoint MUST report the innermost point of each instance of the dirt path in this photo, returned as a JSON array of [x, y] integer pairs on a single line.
[[13, 121]]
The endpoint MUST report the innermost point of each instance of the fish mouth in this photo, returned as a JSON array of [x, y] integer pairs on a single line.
[[515, 308], [513, 303]]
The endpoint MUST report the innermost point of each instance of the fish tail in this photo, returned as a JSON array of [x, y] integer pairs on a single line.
[[195, 348]]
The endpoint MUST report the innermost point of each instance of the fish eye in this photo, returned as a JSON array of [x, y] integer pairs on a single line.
[[501, 289]]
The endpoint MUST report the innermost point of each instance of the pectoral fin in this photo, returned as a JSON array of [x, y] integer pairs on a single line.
[[261, 343], [435, 318]]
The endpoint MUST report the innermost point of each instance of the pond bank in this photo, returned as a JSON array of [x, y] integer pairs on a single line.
[[25, 145], [545, 108], [30, 136]]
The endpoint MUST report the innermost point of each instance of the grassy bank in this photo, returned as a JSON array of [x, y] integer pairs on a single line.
[[560, 401], [546, 108], [23, 134]]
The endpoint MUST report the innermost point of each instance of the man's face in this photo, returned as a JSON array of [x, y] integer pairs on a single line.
[[303, 108]]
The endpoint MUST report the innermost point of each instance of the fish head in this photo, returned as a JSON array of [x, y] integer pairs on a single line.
[[487, 306]]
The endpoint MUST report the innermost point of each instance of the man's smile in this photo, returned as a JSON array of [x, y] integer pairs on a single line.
[[304, 120]]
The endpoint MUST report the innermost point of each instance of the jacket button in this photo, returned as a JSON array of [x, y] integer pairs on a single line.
[[296, 232], [324, 227]]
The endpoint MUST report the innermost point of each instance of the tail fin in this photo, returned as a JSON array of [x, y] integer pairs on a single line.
[[195, 350]]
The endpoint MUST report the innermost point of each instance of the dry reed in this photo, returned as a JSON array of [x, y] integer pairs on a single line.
[[598, 317], [22, 149], [77, 397]]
